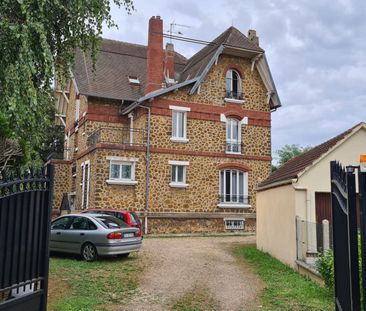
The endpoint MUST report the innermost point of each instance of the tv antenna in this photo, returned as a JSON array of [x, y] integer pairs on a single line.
[[172, 29]]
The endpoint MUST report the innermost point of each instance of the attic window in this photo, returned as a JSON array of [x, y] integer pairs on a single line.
[[133, 80]]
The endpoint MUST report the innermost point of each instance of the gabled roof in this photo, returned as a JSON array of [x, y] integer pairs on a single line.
[[293, 168], [116, 61], [230, 37]]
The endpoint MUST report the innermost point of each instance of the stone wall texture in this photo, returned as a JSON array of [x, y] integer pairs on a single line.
[[204, 150]]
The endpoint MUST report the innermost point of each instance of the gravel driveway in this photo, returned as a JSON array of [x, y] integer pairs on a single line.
[[176, 266]]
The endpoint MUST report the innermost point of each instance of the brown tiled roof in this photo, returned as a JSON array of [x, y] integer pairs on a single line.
[[116, 61], [292, 168], [230, 37]]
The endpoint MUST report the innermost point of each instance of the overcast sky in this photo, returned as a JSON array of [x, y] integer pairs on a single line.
[[316, 51]]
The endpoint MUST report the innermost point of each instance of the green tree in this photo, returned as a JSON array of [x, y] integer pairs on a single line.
[[38, 39], [288, 152]]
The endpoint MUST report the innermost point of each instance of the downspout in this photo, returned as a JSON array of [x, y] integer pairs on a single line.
[[147, 159]]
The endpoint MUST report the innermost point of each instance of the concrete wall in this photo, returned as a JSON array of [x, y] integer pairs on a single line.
[[276, 227]]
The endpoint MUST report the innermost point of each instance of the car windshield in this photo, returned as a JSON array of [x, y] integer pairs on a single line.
[[110, 222]]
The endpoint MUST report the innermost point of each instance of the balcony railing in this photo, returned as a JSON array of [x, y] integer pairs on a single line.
[[234, 95], [234, 199], [233, 147], [119, 136]]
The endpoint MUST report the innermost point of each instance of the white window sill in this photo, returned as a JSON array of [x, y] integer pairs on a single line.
[[179, 140], [178, 185], [233, 205], [235, 101], [232, 152], [121, 182]]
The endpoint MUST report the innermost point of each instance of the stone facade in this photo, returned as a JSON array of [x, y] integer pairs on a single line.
[[204, 150]]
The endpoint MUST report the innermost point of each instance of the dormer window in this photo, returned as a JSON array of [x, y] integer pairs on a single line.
[[233, 87], [134, 80]]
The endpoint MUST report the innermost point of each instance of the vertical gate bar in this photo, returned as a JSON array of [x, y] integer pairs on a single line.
[[334, 218], [27, 223], [9, 242], [28, 266], [47, 215], [42, 233], [24, 236], [4, 212], [362, 192], [35, 244], [17, 240], [353, 240]]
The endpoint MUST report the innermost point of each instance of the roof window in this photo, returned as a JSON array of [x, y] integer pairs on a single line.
[[133, 80]]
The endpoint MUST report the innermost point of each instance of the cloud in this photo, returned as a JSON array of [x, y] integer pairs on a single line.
[[315, 50]]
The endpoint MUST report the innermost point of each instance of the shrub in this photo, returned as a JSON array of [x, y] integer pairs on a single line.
[[325, 267]]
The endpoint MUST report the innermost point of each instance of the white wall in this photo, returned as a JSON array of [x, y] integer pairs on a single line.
[[276, 227]]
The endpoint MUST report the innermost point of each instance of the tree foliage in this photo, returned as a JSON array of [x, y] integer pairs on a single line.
[[288, 152], [38, 40]]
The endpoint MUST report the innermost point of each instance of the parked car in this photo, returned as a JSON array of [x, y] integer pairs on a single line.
[[130, 218], [93, 235]]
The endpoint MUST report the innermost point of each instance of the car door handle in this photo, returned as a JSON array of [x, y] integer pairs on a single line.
[[82, 233], [58, 233]]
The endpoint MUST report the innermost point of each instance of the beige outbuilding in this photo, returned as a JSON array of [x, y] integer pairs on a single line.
[[294, 201]]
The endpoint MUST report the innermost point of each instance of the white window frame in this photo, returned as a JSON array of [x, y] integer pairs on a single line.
[[233, 204], [177, 184], [240, 88], [229, 122], [232, 226], [122, 161], [83, 185], [184, 110]]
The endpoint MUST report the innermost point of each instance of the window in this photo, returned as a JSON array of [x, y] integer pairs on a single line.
[[234, 224], [82, 223], [233, 85], [233, 136], [178, 173], [61, 223], [122, 171], [233, 188], [179, 123]]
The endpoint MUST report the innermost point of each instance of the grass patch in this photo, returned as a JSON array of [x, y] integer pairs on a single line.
[[77, 285], [285, 289], [196, 300]]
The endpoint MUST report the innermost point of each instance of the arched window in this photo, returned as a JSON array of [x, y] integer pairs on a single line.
[[234, 186], [233, 136], [233, 85]]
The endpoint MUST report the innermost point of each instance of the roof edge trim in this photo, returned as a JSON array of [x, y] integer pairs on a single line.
[[206, 70]]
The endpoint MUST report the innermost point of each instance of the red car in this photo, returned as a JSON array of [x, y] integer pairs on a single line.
[[130, 218]]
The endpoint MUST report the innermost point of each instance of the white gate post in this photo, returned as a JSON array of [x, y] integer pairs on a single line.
[[326, 244]]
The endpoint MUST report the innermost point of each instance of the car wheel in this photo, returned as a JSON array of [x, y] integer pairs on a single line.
[[89, 252], [124, 255]]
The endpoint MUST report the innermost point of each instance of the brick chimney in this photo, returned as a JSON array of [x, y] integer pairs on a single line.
[[252, 36], [169, 62], [155, 55]]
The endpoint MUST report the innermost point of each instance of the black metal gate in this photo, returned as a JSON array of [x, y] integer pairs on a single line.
[[345, 236], [25, 205]]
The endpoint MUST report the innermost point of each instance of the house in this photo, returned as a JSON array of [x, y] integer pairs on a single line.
[[184, 142], [299, 193]]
